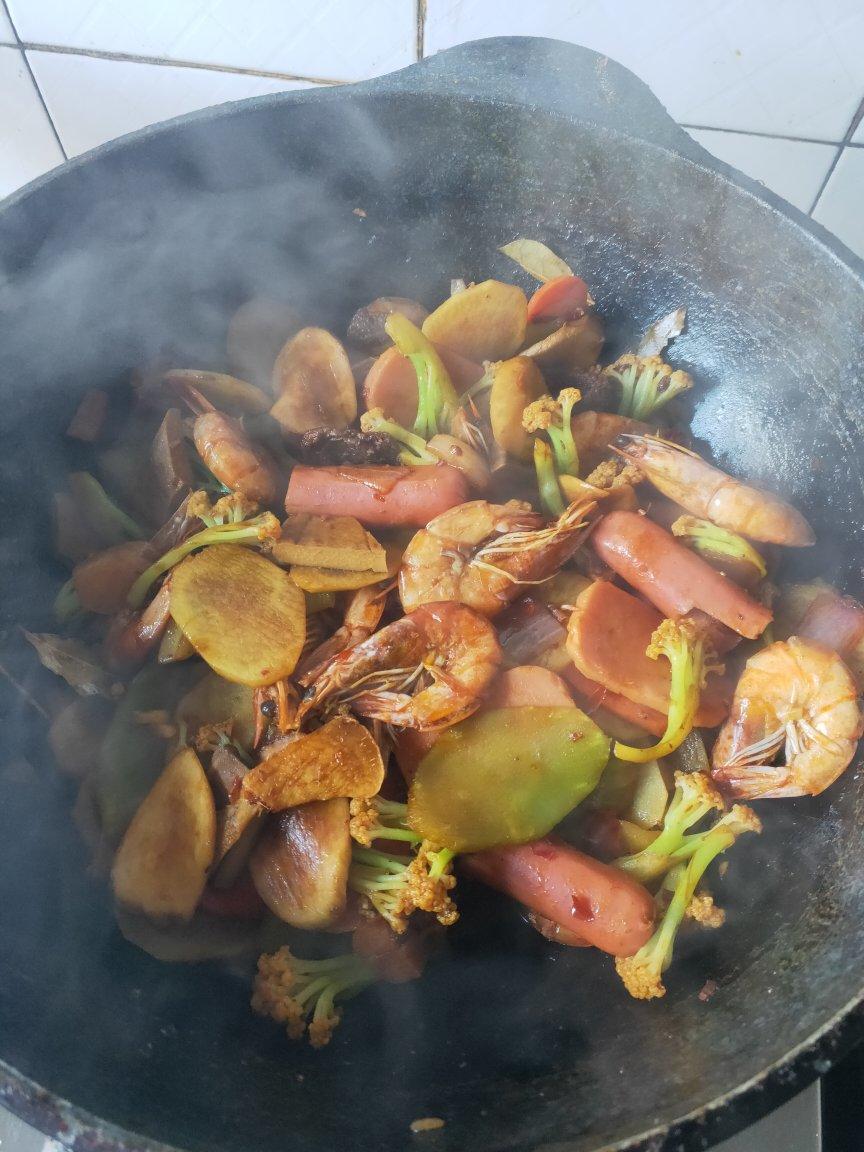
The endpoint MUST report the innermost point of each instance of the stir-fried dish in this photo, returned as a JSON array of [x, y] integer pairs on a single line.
[[447, 601]]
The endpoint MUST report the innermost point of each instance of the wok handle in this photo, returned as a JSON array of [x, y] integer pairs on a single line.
[[552, 76]]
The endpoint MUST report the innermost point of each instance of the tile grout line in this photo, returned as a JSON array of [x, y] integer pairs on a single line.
[[847, 138], [34, 81], [762, 135], [420, 46], [162, 62]]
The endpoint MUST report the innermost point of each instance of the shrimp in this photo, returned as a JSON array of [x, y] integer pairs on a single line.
[[362, 617], [795, 695], [132, 635], [707, 492], [228, 452], [484, 555], [427, 670]]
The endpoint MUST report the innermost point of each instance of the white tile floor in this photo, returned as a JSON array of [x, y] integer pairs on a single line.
[[773, 87]]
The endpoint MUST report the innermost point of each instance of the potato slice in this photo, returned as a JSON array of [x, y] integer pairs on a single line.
[[300, 864], [227, 393], [329, 542], [485, 322], [314, 384], [574, 347], [204, 937], [162, 862], [256, 332], [516, 383], [537, 259], [76, 735], [341, 580], [340, 759], [244, 615]]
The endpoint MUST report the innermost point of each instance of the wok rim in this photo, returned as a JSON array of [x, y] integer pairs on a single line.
[[723, 1116]]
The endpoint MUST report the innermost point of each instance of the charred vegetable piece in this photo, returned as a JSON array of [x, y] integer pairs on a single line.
[[516, 383], [314, 384], [329, 542], [161, 865], [243, 614], [367, 328], [340, 759], [485, 322], [505, 777], [227, 393], [323, 446], [300, 863]]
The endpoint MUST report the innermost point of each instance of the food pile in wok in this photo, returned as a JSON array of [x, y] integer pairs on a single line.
[[447, 601]]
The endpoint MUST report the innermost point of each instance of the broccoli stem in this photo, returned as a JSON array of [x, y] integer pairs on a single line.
[[709, 540], [251, 530], [563, 444], [416, 450], [440, 861], [547, 480], [694, 798], [437, 398], [685, 652]]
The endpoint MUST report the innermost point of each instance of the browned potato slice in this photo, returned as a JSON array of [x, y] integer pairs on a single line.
[[329, 542], [340, 759], [300, 864], [162, 862], [102, 582], [256, 332], [516, 383], [574, 347], [215, 701], [366, 329], [485, 322], [243, 614], [313, 580], [227, 393], [313, 383]]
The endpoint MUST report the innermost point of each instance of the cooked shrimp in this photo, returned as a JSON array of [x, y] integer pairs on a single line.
[[132, 635], [362, 617], [229, 453], [794, 695], [427, 670], [484, 555], [707, 492]]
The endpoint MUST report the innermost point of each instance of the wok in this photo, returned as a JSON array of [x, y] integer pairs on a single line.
[[151, 242]]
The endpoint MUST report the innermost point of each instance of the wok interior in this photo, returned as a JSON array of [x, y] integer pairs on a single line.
[[149, 248]]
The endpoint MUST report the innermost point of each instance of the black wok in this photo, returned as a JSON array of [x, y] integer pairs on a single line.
[[151, 243]]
